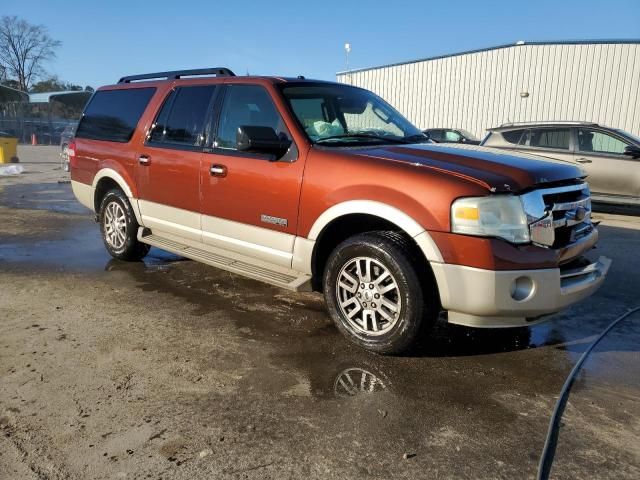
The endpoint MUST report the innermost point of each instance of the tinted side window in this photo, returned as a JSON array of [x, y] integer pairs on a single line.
[[435, 135], [112, 115], [181, 119], [550, 138], [452, 136], [513, 136], [248, 105], [599, 142]]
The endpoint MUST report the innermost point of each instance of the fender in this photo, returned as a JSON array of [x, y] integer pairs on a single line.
[[115, 176], [122, 183], [382, 210]]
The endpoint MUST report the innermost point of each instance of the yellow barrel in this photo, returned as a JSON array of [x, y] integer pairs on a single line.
[[8, 149]]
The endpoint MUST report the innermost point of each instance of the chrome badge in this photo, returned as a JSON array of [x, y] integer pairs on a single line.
[[274, 220]]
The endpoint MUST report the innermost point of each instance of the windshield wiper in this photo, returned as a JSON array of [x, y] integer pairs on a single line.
[[362, 135]]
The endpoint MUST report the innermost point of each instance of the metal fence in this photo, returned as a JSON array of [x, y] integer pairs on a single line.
[[35, 130]]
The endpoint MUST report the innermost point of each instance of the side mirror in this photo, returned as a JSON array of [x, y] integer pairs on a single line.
[[632, 151], [255, 139]]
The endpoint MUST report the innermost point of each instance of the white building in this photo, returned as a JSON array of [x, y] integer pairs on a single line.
[[597, 81]]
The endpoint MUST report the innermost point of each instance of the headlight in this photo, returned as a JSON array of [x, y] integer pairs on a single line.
[[500, 216]]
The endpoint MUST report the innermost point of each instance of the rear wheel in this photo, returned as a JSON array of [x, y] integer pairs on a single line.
[[375, 293], [119, 227]]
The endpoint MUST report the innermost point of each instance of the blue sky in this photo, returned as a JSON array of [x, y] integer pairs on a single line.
[[102, 41]]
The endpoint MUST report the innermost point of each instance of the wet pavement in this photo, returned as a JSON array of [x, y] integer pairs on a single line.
[[201, 373]]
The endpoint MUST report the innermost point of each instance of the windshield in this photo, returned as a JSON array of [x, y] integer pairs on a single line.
[[338, 114], [628, 135]]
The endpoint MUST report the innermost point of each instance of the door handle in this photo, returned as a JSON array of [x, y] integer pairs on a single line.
[[144, 160], [583, 160], [218, 170]]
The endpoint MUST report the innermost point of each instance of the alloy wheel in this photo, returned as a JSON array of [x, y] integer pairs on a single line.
[[368, 296]]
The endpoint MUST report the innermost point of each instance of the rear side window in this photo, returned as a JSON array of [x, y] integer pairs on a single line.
[[112, 115], [182, 117], [550, 138]]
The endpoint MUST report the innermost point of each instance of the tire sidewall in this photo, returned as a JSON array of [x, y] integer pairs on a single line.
[[130, 244], [408, 325]]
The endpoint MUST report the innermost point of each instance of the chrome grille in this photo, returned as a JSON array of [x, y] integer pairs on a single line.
[[558, 216]]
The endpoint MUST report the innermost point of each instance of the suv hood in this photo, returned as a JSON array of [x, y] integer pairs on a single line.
[[498, 170]]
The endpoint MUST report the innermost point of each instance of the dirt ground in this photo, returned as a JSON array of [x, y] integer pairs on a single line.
[[171, 369]]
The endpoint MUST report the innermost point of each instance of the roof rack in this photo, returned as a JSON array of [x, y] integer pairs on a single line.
[[175, 74], [547, 122]]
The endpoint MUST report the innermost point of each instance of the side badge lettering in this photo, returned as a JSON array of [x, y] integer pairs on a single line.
[[274, 220]]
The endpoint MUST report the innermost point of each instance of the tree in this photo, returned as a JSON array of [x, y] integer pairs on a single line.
[[51, 84], [24, 48]]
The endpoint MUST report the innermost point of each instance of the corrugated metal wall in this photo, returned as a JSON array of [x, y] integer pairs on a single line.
[[597, 82]]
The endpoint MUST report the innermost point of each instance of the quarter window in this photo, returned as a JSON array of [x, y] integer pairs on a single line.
[[513, 136], [112, 115], [181, 119], [599, 142], [248, 105], [550, 138]]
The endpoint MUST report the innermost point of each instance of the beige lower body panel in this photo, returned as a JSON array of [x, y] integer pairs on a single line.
[[493, 299], [84, 193], [228, 260]]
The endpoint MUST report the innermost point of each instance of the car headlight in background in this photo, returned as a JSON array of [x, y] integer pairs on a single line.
[[499, 216]]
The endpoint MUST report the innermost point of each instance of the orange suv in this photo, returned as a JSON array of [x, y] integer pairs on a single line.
[[317, 185]]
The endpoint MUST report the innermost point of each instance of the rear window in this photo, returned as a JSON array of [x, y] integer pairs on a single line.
[[112, 115]]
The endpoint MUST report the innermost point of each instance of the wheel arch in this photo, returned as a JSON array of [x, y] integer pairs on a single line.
[[105, 180], [358, 216]]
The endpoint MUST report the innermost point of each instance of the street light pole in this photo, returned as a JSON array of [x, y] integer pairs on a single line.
[[347, 50]]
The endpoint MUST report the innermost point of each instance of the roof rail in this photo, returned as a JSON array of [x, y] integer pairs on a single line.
[[547, 122], [175, 74]]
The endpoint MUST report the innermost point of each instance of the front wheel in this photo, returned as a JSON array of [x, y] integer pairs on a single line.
[[119, 227], [375, 292]]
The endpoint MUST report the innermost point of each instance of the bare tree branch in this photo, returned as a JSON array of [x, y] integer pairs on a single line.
[[24, 49]]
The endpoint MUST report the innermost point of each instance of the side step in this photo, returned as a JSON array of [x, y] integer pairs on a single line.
[[216, 257]]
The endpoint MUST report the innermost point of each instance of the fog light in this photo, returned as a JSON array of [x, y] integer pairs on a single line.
[[522, 288]]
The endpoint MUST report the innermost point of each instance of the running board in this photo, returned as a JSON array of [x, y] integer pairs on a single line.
[[216, 257]]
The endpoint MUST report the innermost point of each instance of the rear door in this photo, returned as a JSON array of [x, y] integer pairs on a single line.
[[169, 162], [551, 142], [601, 154]]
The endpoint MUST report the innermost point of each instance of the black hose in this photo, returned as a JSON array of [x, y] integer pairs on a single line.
[[549, 450]]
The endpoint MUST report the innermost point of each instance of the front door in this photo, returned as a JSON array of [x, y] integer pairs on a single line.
[[610, 171], [250, 201], [169, 162]]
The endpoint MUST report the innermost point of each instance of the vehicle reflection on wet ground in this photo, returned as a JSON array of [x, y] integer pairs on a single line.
[[463, 397]]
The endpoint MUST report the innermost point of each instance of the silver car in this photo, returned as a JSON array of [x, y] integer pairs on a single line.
[[610, 157]]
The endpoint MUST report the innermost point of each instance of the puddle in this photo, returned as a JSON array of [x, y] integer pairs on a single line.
[[79, 249], [56, 197]]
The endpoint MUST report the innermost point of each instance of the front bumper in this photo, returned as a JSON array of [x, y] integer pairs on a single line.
[[513, 298]]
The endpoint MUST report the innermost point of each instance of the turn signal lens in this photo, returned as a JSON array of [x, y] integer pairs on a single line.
[[467, 213]]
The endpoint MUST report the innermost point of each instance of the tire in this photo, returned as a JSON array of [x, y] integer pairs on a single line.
[[393, 280], [119, 227]]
